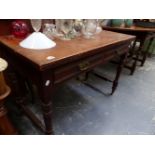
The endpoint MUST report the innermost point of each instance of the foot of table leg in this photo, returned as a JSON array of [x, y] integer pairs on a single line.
[[47, 115], [114, 86]]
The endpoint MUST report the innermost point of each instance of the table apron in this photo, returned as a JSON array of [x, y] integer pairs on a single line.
[[72, 69]]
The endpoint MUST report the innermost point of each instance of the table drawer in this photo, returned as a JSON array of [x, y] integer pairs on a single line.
[[71, 69], [115, 52]]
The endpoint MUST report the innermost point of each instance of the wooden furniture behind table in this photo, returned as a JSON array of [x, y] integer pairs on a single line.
[[142, 34], [6, 127], [70, 58]]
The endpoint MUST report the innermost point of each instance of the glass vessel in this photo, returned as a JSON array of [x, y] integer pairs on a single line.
[[117, 22], [19, 29], [98, 28], [36, 24], [49, 30], [58, 27], [66, 26], [128, 22], [89, 28], [78, 26]]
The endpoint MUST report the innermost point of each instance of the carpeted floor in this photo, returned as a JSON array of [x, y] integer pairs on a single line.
[[78, 109]]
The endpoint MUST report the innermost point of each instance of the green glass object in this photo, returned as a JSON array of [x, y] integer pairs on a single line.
[[116, 22], [128, 22]]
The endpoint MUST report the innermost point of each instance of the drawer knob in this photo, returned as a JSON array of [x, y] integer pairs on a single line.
[[83, 66]]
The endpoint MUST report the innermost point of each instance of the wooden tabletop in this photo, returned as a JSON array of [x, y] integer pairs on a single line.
[[132, 28], [64, 49]]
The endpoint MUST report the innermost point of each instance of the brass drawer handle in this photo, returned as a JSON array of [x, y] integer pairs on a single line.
[[83, 66]]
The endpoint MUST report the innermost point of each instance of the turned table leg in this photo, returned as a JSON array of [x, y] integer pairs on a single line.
[[137, 56], [47, 115], [45, 89], [119, 70]]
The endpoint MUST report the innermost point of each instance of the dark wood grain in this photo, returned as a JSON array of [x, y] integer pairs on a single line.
[[65, 50], [72, 58]]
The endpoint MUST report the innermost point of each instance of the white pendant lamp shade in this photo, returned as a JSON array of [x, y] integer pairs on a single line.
[[37, 40]]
